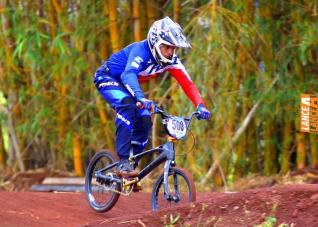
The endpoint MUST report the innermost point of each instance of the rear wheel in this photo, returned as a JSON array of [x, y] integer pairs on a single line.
[[181, 190], [101, 194]]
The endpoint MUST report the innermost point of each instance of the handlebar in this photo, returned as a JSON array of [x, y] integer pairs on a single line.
[[158, 110]]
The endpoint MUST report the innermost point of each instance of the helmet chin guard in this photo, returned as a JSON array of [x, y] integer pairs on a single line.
[[165, 31]]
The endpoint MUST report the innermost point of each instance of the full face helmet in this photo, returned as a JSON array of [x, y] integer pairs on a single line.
[[165, 31]]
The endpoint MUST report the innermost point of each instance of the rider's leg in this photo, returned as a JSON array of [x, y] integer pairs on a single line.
[[124, 104], [140, 131], [126, 115]]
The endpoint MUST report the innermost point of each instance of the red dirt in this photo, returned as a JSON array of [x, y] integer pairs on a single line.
[[289, 204]]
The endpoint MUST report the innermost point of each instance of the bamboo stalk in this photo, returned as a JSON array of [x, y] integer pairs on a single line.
[[113, 25], [249, 10], [136, 18], [268, 57], [3, 156], [143, 18], [287, 143], [77, 157], [241, 64], [105, 125], [57, 6], [313, 150], [301, 150], [251, 134], [62, 125], [176, 10], [63, 88], [13, 137], [52, 18], [240, 164], [151, 11], [270, 152], [252, 147], [104, 42]]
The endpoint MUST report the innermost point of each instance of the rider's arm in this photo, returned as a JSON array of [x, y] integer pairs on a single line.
[[129, 77], [180, 74]]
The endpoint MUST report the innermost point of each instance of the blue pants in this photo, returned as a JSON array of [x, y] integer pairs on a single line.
[[132, 124]]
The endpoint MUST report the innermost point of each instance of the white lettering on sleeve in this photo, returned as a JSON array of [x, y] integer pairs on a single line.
[[137, 62], [130, 90]]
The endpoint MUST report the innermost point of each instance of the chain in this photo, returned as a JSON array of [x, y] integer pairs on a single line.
[[124, 192]]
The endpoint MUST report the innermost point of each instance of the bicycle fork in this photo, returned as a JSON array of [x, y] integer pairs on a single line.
[[170, 162]]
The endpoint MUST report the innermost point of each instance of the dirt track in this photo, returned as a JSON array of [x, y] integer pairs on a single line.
[[290, 204]]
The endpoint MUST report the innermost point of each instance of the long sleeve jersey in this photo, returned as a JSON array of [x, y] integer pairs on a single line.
[[135, 64]]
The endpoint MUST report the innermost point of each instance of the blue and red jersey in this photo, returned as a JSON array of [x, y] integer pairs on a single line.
[[135, 64]]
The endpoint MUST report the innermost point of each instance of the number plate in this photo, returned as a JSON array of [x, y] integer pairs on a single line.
[[176, 127]]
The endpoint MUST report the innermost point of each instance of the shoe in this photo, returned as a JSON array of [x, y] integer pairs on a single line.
[[124, 166]]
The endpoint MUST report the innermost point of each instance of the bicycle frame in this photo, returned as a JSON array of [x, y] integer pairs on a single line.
[[167, 154]]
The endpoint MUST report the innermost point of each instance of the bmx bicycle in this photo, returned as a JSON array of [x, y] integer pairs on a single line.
[[103, 184]]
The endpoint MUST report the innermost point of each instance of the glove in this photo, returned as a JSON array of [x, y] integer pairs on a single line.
[[146, 103], [203, 112]]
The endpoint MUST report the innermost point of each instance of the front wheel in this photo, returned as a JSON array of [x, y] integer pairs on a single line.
[[101, 194], [181, 190]]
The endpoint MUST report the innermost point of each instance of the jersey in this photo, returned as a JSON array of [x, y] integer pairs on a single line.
[[135, 64]]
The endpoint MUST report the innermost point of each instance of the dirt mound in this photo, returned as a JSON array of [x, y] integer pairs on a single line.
[[292, 205]]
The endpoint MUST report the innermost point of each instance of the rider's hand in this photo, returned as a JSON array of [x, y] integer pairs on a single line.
[[146, 103], [203, 113]]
